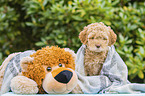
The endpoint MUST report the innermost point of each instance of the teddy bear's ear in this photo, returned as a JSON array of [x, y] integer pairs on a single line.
[[83, 36], [25, 62], [71, 52], [112, 37]]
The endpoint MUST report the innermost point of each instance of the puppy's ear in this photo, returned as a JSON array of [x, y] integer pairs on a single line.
[[112, 37], [71, 52], [83, 36], [25, 62]]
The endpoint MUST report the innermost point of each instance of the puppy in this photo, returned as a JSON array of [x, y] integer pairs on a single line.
[[97, 37]]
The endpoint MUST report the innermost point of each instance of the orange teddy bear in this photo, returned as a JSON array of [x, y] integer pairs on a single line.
[[48, 70]]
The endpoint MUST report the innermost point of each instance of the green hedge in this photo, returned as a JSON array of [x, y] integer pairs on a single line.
[[32, 24]]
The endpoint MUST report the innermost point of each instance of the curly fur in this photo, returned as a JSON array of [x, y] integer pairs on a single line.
[[96, 34], [49, 56]]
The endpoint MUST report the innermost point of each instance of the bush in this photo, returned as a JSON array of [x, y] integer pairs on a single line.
[[31, 24]]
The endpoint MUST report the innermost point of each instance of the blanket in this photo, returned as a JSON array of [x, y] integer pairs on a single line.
[[113, 77], [12, 94], [13, 69]]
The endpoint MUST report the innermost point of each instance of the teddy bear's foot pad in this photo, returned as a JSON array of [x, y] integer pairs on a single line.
[[23, 85]]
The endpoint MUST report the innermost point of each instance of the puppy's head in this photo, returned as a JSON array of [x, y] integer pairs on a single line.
[[97, 37]]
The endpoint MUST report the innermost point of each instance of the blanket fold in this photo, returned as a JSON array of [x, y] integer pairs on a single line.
[[13, 69], [113, 77]]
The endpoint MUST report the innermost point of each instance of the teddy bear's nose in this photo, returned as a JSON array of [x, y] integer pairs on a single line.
[[64, 76]]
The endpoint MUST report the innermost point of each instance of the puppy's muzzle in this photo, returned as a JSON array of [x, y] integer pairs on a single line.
[[64, 76], [98, 45]]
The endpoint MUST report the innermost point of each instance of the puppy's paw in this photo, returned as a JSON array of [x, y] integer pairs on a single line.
[[23, 85]]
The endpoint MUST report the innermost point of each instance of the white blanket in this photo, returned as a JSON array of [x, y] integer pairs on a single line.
[[12, 94], [113, 77], [13, 69]]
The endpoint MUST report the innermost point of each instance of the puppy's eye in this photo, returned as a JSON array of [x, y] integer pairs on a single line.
[[60, 65], [104, 38], [91, 38], [48, 69]]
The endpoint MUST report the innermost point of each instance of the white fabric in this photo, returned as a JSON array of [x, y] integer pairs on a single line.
[[13, 69], [12, 94], [113, 77]]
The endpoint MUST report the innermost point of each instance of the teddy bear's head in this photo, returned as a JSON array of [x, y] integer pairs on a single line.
[[52, 68]]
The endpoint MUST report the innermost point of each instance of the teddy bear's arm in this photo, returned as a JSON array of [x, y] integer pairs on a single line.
[[23, 85]]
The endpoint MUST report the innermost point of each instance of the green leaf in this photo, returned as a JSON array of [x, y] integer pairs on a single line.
[[45, 2], [125, 48], [130, 48], [115, 2], [77, 18], [29, 24], [108, 22], [140, 30], [140, 74], [132, 27], [120, 52], [121, 14], [43, 39], [1, 55], [129, 41], [134, 70], [121, 37], [138, 42], [83, 13], [39, 44], [141, 50]]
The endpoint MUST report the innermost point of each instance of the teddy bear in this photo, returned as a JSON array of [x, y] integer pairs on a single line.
[[48, 70]]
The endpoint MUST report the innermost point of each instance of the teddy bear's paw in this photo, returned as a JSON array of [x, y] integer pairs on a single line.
[[23, 85]]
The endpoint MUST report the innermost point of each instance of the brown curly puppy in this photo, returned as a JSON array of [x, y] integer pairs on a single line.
[[97, 37]]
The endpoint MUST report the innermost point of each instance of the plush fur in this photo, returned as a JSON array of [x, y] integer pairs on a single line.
[[24, 85], [47, 57], [35, 78]]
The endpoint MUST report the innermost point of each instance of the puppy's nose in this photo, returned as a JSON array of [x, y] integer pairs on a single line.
[[98, 45], [64, 76]]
